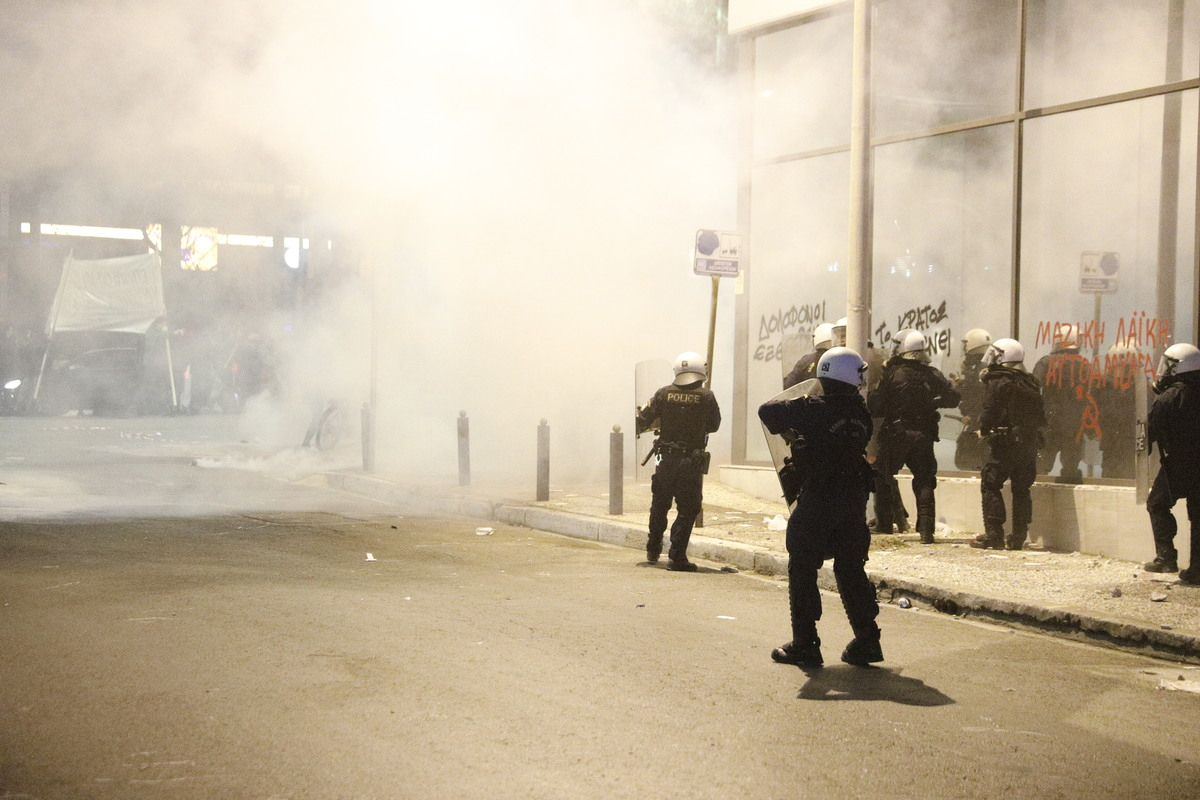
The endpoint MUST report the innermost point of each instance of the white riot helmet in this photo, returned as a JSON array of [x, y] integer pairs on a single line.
[[842, 364], [1123, 349], [1066, 337], [976, 341], [1004, 351], [1178, 359], [689, 367], [913, 347], [899, 338], [839, 332], [823, 336]]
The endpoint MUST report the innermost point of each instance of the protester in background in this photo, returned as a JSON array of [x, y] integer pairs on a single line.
[[1116, 403], [806, 366], [1174, 425], [1011, 423], [828, 429], [968, 449], [907, 400], [682, 413], [1058, 375]]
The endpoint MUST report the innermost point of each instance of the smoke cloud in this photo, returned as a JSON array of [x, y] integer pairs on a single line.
[[524, 179]]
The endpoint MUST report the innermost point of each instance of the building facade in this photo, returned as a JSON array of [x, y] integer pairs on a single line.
[[1032, 166]]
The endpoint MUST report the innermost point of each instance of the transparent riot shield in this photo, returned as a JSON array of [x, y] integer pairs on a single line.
[[791, 348], [781, 449], [648, 378], [1145, 463]]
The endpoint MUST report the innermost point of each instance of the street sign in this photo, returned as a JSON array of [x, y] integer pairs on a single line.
[[718, 253], [1098, 272]]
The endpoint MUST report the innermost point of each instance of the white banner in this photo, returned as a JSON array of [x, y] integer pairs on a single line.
[[744, 15], [111, 294]]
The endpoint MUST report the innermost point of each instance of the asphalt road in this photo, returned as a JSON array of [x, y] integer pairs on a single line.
[[171, 631]]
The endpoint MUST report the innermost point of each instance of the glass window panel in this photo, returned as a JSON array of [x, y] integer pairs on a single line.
[[802, 87], [1077, 49], [1104, 212], [796, 278], [943, 247], [939, 62]]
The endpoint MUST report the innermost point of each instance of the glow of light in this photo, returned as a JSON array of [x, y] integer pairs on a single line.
[[90, 231], [245, 240], [291, 252]]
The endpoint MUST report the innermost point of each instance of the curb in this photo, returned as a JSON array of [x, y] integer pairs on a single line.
[[1093, 629]]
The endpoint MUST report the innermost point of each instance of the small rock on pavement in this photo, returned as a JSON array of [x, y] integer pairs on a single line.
[[1116, 591], [1158, 597], [904, 602]]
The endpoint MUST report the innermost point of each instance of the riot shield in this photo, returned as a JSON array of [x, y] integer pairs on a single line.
[[1145, 463], [648, 378], [781, 449], [791, 347]]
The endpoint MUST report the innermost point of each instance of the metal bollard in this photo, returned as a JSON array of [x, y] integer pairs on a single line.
[[616, 471], [464, 449], [543, 461], [368, 439]]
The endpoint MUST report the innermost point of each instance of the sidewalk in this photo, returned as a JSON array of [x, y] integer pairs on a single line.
[[1088, 598]]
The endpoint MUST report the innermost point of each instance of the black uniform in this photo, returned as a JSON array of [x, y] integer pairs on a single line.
[[805, 368], [1118, 416], [1011, 422], [907, 400], [830, 434], [1058, 374], [968, 449], [685, 416], [1174, 425]]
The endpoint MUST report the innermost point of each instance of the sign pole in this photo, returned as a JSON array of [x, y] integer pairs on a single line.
[[712, 329]]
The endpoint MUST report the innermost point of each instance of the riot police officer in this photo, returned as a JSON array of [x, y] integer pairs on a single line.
[[829, 427], [806, 366], [968, 450], [1059, 374], [683, 413], [1118, 414], [838, 334], [1174, 425], [1011, 424], [907, 400]]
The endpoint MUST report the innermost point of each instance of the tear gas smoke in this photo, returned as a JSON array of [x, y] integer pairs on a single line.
[[524, 176]]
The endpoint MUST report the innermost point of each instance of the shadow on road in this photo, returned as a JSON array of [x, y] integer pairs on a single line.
[[844, 682]]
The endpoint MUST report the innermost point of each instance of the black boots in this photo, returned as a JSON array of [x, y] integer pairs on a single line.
[[1162, 564], [864, 648], [1016, 539], [804, 650], [990, 539], [993, 538], [654, 548], [805, 655]]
